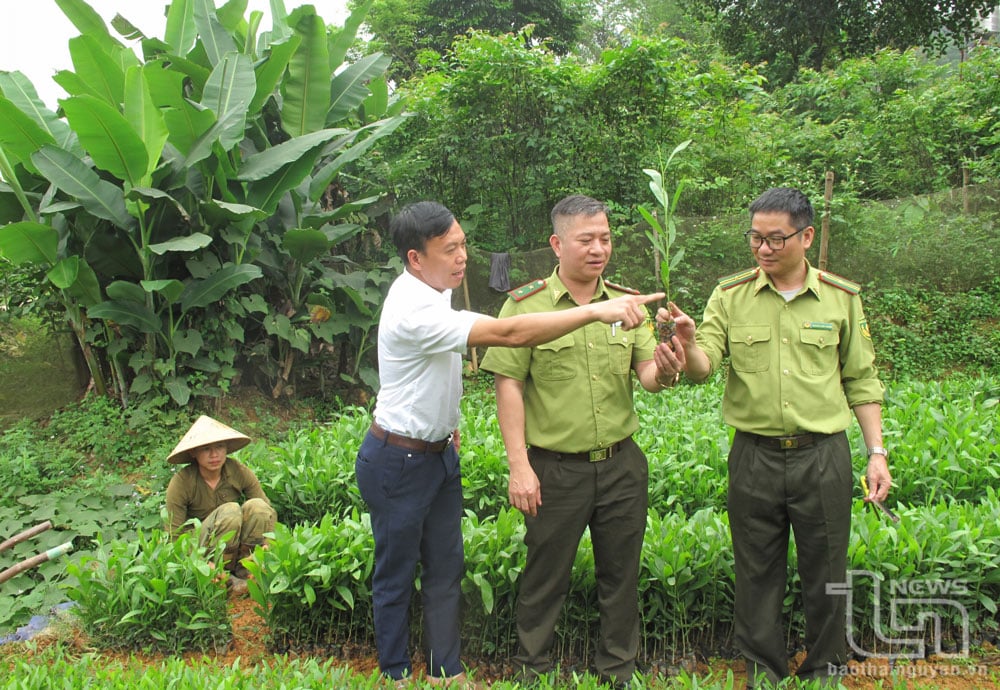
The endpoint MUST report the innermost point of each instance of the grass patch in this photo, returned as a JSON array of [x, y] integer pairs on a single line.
[[37, 374]]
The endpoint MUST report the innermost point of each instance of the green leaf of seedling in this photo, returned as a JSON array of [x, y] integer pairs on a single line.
[[346, 594], [653, 222]]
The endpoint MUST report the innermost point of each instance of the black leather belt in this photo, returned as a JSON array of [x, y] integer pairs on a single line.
[[597, 455], [408, 443], [787, 442]]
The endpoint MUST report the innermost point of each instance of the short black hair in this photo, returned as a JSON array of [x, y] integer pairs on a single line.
[[785, 200], [418, 222], [576, 205]]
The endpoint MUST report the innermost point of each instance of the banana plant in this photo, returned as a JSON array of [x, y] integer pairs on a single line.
[[186, 179]]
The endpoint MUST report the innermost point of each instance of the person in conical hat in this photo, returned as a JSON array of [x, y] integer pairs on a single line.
[[219, 491]]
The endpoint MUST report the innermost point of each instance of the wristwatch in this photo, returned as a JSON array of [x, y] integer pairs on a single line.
[[877, 450]]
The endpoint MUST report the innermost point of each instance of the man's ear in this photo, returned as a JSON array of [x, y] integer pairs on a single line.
[[807, 236], [555, 243], [413, 258]]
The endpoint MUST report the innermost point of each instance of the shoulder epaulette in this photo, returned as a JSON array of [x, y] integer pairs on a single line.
[[839, 282], [526, 290], [738, 278], [620, 288]]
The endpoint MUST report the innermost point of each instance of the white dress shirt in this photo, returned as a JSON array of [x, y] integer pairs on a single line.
[[420, 344]]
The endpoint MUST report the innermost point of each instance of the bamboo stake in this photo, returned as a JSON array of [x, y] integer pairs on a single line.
[[824, 239], [25, 535], [965, 189], [30, 563]]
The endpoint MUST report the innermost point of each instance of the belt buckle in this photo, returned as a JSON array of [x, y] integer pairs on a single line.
[[599, 455], [788, 442]]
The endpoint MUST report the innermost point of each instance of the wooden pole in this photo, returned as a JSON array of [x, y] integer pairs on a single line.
[[30, 563], [25, 535], [468, 305], [824, 238], [965, 189]]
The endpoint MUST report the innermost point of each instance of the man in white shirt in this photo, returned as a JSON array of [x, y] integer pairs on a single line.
[[408, 469]]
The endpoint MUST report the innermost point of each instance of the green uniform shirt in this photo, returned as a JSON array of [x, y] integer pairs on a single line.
[[794, 367], [577, 388], [188, 496]]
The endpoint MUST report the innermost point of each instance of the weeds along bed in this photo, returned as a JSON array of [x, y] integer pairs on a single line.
[[313, 583]]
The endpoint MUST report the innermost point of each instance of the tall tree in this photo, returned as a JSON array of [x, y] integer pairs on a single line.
[[788, 34], [412, 31]]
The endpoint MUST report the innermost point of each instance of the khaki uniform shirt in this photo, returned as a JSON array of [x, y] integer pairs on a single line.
[[794, 367], [188, 496], [577, 388]]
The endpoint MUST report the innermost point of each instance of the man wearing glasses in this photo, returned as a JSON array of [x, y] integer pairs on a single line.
[[800, 360]]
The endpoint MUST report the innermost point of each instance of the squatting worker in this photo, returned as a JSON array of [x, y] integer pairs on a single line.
[[221, 492], [408, 469], [800, 360], [567, 418]]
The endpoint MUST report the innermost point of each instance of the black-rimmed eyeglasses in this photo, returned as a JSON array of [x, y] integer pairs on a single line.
[[774, 242]]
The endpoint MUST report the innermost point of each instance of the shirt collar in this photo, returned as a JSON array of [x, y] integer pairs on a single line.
[[811, 283], [414, 285], [557, 289]]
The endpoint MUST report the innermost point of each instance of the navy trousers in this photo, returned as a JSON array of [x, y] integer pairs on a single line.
[[415, 500]]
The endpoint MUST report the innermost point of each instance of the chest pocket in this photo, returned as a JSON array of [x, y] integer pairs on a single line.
[[619, 352], [750, 348], [820, 354], [553, 361]]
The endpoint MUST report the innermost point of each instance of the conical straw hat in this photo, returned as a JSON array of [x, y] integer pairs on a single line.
[[204, 431]]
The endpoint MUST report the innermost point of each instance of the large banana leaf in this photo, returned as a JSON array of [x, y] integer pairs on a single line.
[[21, 92], [267, 192], [132, 314], [267, 162], [170, 288], [141, 112], [201, 293], [228, 93], [269, 73], [344, 39], [20, 136], [102, 76], [349, 88], [124, 291], [29, 242], [85, 289], [108, 138], [64, 273], [306, 89], [181, 31], [214, 38], [183, 243], [70, 174], [87, 21], [304, 245], [324, 176]]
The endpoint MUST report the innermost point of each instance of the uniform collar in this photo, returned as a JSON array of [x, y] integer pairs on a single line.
[[811, 283], [557, 289]]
